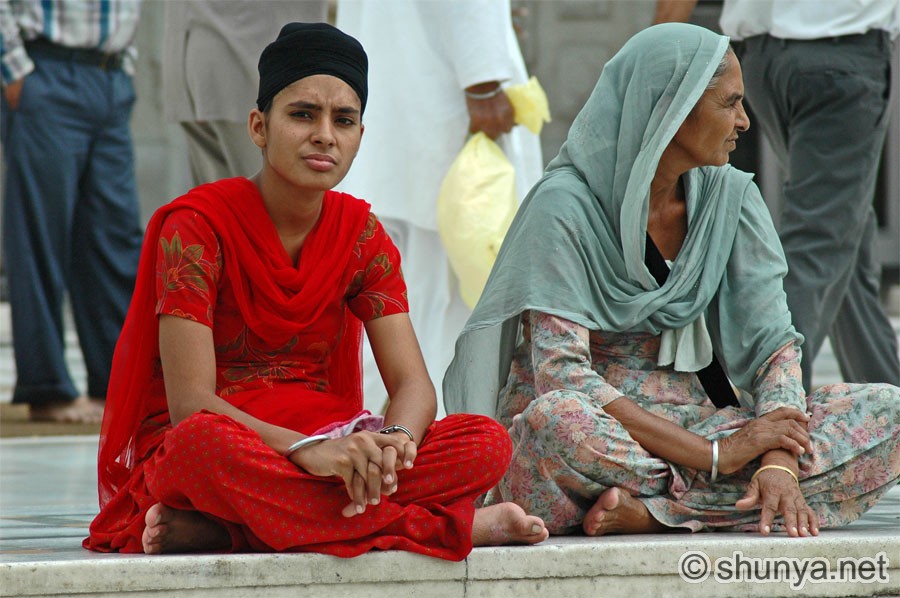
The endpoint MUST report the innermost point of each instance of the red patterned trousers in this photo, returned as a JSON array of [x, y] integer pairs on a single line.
[[215, 465]]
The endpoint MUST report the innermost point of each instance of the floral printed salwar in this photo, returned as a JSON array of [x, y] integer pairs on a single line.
[[568, 450]]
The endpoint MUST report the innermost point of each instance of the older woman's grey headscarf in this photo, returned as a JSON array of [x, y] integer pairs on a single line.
[[576, 247]]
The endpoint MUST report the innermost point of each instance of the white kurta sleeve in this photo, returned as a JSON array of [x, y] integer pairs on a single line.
[[473, 35]]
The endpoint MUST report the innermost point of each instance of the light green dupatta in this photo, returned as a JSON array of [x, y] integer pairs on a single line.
[[576, 246]]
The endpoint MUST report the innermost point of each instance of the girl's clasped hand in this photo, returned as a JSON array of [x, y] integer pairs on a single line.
[[368, 462]]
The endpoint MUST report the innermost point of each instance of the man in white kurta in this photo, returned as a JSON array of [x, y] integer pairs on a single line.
[[423, 56]]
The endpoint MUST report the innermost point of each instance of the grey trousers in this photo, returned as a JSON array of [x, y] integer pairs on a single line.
[[823, 105], [220, 149]]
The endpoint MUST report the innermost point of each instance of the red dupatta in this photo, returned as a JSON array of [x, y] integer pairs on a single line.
[[275, 299]]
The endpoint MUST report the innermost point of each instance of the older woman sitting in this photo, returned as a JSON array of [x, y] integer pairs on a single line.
[[640, 271]]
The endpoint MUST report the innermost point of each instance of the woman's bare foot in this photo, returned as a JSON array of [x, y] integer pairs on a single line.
[[171, 530], [617, 512], [506, 523], [82, 410]]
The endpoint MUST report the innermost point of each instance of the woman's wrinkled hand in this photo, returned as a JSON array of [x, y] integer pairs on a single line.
[[784, 428], [368, 463], [777, 492]]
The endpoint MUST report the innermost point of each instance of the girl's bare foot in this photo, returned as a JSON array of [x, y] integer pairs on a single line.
[[506, 523], [82, 410], [617, 512], [171, 530]]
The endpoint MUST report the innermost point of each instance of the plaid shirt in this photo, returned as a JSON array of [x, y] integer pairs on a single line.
[[107, 25]]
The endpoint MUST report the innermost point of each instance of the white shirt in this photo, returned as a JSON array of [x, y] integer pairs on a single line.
[[422, 55], [808, 19]]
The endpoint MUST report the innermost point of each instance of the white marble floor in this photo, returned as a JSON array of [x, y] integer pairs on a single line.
[[48, 496]]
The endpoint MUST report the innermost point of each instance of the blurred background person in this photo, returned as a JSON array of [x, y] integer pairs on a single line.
[[437, 72], [210, 77], [71, 217]]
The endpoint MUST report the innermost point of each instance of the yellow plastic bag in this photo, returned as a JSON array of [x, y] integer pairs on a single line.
[[478, 200], [475, 208], [530, 105]]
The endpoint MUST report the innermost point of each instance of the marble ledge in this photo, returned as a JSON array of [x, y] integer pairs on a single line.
[[624, 566]]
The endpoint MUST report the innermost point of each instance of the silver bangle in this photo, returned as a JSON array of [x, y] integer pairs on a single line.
[[715, 462], [486, 95], [304, 442], [397, 428]]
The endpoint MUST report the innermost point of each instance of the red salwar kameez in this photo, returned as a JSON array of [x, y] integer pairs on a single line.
[[287, 342]]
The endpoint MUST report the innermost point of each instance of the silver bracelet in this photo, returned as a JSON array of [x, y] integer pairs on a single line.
[[486, 95], [397, 428], [304, 442], [715, 462]]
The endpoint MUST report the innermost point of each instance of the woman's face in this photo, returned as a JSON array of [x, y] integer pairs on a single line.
[[710, 131], [312, 132]]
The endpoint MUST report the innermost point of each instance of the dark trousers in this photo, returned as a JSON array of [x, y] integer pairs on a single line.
[[823, 105], [70, 222]]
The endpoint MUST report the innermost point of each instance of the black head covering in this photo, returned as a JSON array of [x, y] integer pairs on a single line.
[[304, 49]]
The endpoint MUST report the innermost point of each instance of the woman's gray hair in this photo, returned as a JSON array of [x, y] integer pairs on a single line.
[[720, 70]]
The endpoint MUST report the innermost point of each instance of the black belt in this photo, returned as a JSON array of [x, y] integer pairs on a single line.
[[873, 37], [108, 61]]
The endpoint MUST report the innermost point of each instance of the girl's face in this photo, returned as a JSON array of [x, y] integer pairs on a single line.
[[311, 133]]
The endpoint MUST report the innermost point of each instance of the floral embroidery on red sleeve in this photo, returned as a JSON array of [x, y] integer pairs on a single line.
[[184, 267], [376, 288], [367, 234], [187, 267]]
